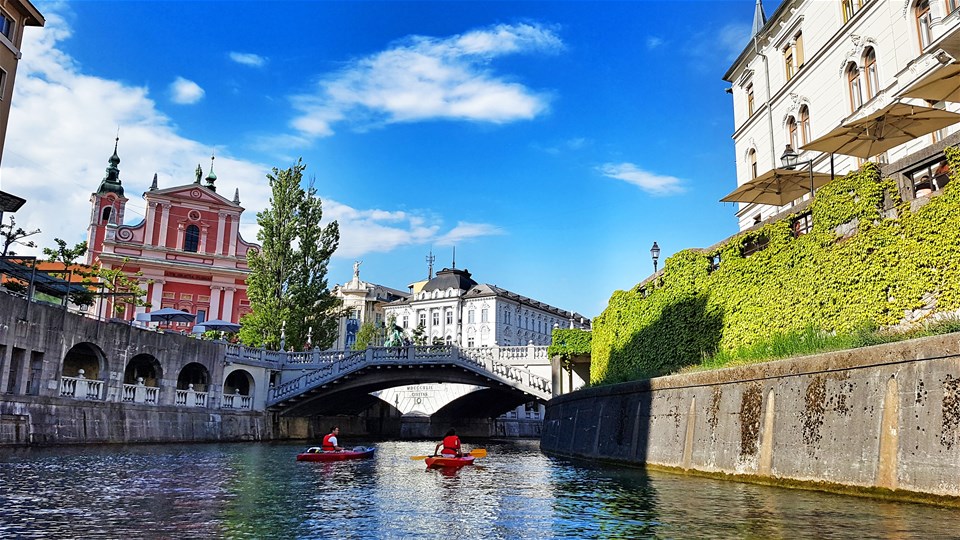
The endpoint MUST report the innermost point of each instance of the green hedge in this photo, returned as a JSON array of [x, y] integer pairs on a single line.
[[873, 276], [567, 343]]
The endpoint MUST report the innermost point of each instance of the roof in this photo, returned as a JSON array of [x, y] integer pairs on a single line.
[[42, 281], [450, 278], [492, 290]]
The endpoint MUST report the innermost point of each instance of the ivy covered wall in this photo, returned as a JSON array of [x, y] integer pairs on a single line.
[[862, 265]]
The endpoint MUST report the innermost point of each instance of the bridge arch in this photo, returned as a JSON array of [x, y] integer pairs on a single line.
[[144, 366], [85, 357], [195, 374]]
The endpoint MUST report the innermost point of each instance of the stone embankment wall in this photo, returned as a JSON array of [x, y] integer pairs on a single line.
[[884, 419]]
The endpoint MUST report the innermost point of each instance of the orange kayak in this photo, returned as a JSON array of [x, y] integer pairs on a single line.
[[437, 462]]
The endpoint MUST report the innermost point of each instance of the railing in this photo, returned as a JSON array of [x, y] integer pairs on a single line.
[[80, 387], [191, 398], [241, 352], [237, 401], [140, 393], [484, 359]]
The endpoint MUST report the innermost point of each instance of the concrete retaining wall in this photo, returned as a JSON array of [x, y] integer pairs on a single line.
[[884, 417]]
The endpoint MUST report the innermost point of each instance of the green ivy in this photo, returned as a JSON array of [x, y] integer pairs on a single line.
[[868, 262], [567, 343]]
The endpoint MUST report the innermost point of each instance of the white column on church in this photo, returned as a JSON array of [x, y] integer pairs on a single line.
[[164, 220], [215, 301], [222, 216], [232, 236], [148, 229], [156, 296], [204, 229], [180, 234], [228, 303]]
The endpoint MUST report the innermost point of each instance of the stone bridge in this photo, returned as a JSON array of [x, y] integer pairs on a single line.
[[329, 382]]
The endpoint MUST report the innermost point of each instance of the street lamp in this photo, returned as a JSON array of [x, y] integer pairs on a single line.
[[655, 254], [789, 160]]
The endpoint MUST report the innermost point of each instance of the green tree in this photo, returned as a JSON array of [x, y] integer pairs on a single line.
[[420, 335], [123, 289], [287, 285], [68, 257], [369, 335], [12, 234]]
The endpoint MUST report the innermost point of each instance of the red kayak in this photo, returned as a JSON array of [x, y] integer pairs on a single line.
[[437, 462], [316, 454]]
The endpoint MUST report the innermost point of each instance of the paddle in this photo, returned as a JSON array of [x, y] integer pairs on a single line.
[[476, 452]]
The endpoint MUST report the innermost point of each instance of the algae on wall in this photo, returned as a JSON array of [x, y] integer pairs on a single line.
[[860, 266]]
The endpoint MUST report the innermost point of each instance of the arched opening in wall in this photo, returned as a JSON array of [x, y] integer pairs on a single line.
[[239, 382], [105, 216], [193, 374], [143, 366], [84, 359], [191, 239]]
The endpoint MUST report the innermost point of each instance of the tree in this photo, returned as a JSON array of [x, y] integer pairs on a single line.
[[68, 257], [123, 289], [288, 277], [12, 234], [419, 335], [369, 335]]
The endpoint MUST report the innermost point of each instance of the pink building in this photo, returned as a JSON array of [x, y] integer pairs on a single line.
[[188, 246]]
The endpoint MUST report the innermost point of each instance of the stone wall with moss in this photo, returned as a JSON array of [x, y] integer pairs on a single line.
[[869, 261]]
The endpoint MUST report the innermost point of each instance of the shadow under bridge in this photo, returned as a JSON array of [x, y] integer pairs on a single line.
[[341, 382]]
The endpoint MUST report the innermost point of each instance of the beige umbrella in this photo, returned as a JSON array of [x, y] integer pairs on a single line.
[[891, 126], [778, 187], [941, 85]]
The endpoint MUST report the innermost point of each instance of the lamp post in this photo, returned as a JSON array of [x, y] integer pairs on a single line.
[[655, 254], [789, 160]]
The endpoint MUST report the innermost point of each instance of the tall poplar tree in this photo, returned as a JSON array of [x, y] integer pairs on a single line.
[[287, 286]]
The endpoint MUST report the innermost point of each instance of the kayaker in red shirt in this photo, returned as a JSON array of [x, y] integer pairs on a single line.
[[450, 445], [330, 443]]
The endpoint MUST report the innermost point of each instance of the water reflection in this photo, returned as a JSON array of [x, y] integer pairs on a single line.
[[260, 491]]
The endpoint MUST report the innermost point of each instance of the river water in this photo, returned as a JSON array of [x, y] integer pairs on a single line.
[[258, 490]]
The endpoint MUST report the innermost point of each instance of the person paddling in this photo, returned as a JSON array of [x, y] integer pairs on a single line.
[[450, 445], [330, 442]]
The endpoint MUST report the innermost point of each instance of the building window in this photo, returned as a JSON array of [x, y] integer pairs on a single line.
[[793, 56], [804, 125], [754, 245], [470, 342], [6, 25], [483, 315], [924, 22], [470, 317], [201, 316], [3, 84], [752, 161], [870, 72], [506, 316], [191, 239], [750, 101], [436, 318], [792, 132], [853, 83], [422, 318], [105, 216], [803, 224], [952, 5], [930, 178], [406, 321], [850, 8], [449, 316], [788, 65]]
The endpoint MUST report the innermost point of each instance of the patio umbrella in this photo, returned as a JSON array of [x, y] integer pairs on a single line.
[[218, 325], [941, 85], [891, 126], [170, 315], [778, 187]]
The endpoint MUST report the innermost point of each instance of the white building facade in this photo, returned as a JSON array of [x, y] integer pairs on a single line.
[[362, 302], [816, 64], [453, 308]]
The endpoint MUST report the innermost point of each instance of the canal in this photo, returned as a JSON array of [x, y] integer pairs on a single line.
[[258, 490]]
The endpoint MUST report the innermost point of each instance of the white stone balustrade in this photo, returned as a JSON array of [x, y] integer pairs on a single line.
[[191, 398], [237, 401], [80, 387], [140, 393]]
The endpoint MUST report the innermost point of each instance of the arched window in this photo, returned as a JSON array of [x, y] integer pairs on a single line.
[[870, 72], [853, 83], [105, 216], [752, 160], [804, 125], [792, 132], [924, 21], [191, 239]]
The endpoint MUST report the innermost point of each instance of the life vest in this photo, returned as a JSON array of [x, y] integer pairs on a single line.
[[328, 444], [451, 445]]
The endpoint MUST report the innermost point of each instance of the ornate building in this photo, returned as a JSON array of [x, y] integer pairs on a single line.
[[188, 246], [362, 302], [453, 308], [818, 64]]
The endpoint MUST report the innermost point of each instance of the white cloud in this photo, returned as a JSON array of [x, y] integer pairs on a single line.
[[248, 59], [185, 92], [76, 117], [653, 42], [425, 78], [732, 39], [649, 182], [466, 231]]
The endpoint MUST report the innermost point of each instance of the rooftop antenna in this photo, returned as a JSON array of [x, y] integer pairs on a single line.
[[454, 266], [430, 259]]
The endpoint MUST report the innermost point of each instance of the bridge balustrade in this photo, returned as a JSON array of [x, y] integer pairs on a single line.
[[237, 401], [140, 393], [242, 352], [80, 387], [191, 398]]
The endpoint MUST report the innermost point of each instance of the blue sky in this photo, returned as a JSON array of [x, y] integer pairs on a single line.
[[550, 142]]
